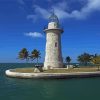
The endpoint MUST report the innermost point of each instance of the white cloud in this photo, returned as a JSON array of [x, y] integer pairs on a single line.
[[39, 12], [91, 6], [61, 5], [62, 13], [34, 34]]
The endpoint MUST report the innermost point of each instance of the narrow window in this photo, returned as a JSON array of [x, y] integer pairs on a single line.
[[56, 44]]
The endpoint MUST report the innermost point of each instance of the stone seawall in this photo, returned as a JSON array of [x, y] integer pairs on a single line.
[[52, 75]]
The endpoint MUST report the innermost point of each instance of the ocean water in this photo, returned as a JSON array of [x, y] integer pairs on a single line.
[[39, 89]]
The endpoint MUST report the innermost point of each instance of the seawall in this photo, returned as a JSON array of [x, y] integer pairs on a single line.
[[52, 75]]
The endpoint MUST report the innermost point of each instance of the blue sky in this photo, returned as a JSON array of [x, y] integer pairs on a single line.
[[22, 23]]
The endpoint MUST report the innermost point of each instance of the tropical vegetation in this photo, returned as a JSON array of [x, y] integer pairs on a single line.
[[68, 60], [35, 54], [84, 58], [96, 60], [24, 54]]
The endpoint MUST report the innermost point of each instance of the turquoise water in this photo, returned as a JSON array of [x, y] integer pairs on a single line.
[[30, 89]]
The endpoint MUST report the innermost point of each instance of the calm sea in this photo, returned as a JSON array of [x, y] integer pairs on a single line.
[[30, 89]]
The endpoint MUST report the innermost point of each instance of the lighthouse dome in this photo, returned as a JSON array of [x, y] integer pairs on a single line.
[[53, 18]]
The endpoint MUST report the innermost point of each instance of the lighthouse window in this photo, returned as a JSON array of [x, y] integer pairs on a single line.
[[56, 44]]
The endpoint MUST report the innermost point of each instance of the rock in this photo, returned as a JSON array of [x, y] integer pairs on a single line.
[[37, 70]]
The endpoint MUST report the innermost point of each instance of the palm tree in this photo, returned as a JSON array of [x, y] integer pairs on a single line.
[[23, 54], [68, 60], [35, 54], [84, 58], [96, 60]]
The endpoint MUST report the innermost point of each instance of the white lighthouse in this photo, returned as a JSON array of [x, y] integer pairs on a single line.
[[53, 53]]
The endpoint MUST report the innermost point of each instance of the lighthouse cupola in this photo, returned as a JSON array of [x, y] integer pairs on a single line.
[[53, 21], [53, 18]]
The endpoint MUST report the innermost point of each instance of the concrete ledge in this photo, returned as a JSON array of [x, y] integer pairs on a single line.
[[52, 75]]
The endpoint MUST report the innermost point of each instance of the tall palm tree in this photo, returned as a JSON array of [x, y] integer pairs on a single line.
[[84, 58], [23, 54], [68, 60], [35, 54]]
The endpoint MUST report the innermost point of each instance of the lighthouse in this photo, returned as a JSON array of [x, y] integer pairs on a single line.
[[53, 52]]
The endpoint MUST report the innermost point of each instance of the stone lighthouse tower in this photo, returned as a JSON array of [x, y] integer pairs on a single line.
[[53, 53]]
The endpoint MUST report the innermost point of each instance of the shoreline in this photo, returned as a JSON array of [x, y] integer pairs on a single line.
[[52, 75]]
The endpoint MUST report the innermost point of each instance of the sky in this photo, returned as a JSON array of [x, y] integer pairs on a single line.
[[22, 23]]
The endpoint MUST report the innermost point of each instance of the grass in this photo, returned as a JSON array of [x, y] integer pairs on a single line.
[[71, 70], [31, 70], [23, 70]]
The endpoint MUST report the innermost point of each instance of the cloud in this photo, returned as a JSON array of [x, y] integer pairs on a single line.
[[91, 6], [34, 34], [61, 10], [60, 5], [39, 12], [86, 10]]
